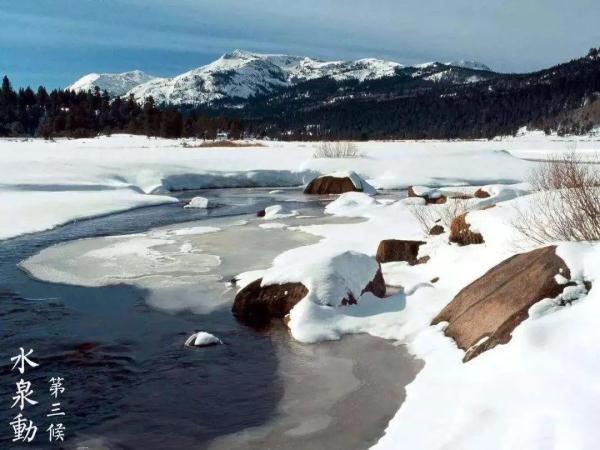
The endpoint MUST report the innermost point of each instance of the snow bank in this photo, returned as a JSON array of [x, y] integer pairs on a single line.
[[28, 211], [202, 339]]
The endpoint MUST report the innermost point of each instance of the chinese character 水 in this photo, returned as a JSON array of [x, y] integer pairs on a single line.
[[22, 359]]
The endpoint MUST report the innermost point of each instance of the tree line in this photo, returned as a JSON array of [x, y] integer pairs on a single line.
[[65, 113]]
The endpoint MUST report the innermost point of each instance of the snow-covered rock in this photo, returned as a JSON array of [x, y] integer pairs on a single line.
[[116, 84], [278, 212], [339, 183], [349, 203], [326, 281], [201, 202], [202, 339]]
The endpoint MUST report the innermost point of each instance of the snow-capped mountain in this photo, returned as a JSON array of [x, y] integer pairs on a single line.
[[241, 75], [466, 64], [116, 84]]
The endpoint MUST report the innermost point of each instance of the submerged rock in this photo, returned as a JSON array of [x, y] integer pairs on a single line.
[[202, 339], [338, 183], [398, 250], [485, 313]]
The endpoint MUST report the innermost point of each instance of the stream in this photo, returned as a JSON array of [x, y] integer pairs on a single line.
[[107, 304]]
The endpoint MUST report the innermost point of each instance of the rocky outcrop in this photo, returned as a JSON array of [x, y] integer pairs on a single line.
[[485, 313], [461, 234], [398, 250], [338, 183]]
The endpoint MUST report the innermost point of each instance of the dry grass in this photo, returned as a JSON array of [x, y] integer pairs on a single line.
[[460, 232], [440, 214], [567, 204], [211, 144], [336, 149]]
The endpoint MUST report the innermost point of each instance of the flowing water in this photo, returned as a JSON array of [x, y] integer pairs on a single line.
[[117, 337]]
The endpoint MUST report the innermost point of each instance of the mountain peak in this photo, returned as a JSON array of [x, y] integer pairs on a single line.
[[116, 84]]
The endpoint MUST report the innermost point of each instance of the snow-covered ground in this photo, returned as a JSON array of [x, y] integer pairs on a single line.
[[537, 392], [44, 184]]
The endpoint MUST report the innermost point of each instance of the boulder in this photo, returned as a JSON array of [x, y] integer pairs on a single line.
[[461, 234], [398, 250], [256, 304], [338, 183], [436, 230], [480, 193], [484, 314]]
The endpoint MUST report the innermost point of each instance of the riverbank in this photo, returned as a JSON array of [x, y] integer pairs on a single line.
[[49, 183]]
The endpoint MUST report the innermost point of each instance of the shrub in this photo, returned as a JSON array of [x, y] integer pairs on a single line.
[[567, 204], [336, 149]]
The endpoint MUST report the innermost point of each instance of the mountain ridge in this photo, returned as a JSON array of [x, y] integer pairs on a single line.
[[243, 74]]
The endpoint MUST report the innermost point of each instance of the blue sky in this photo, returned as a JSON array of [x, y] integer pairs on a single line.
[[54, 42]]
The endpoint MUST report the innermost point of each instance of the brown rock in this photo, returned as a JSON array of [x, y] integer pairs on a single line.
[[423, 259], [460, 232], [398, 250], [480, 193], [493, 305], [261, 213], [257, 305], [330, 185], [436, 230], [377, 285]]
